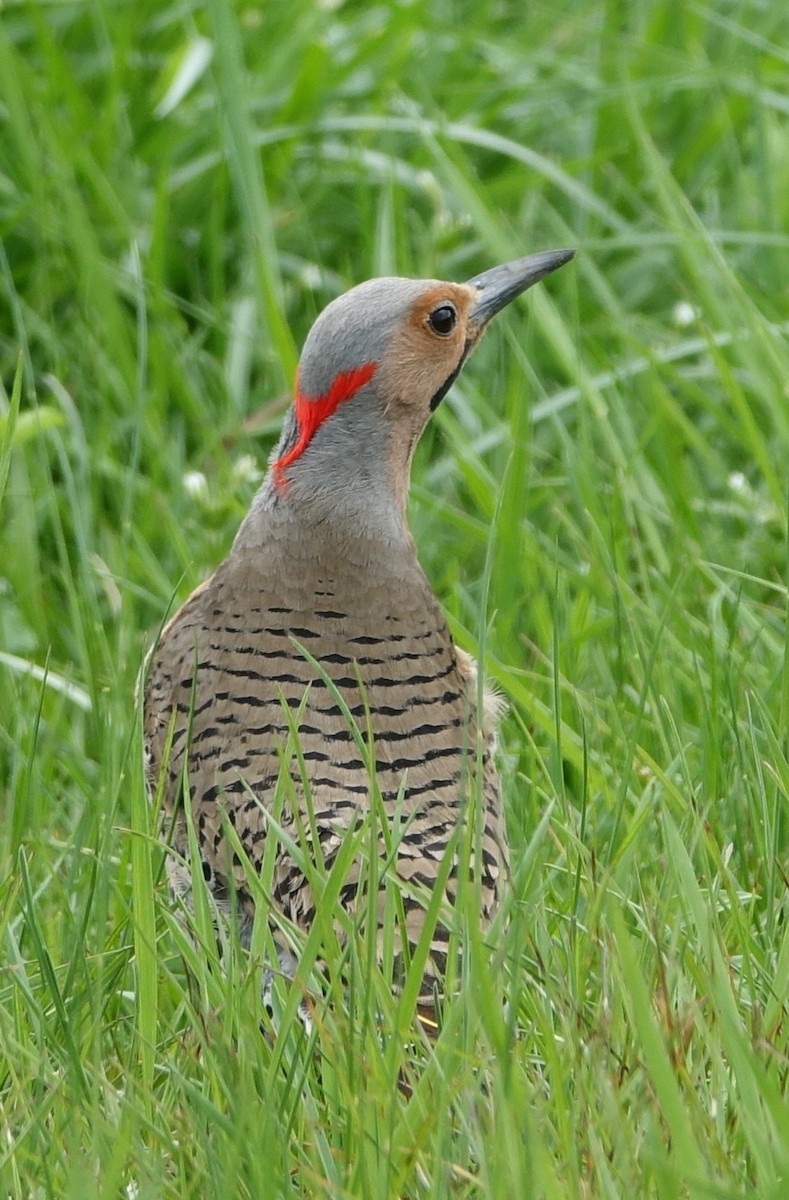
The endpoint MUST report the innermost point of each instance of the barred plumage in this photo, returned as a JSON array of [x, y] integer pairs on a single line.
[[323, 567]]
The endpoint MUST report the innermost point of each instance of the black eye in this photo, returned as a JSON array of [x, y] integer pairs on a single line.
[[442, 319]]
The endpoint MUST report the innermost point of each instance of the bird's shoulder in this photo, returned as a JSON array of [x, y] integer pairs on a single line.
[[493, 704]]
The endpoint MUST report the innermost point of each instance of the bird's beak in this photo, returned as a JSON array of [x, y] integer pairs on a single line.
[[499, 285]]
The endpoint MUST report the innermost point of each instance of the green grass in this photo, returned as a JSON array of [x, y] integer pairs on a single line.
[[601, 505]]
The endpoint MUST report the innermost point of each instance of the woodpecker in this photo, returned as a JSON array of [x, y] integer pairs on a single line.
[[321, 584]]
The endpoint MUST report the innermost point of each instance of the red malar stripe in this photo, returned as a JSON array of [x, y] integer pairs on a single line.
[[311, 411]]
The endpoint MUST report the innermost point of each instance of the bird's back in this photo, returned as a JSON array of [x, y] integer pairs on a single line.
[[231, 666]]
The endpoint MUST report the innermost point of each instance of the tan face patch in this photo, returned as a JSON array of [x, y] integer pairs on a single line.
[[416, 366], [418, 359]]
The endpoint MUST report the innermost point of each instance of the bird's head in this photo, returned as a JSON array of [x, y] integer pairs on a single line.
[[378, 360]]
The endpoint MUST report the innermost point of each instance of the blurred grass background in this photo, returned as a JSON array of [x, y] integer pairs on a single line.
[[601, 505]]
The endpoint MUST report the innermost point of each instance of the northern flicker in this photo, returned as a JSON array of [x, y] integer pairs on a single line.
[[324, 563]]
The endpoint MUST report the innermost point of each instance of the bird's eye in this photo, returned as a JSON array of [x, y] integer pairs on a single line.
[[442, 319]]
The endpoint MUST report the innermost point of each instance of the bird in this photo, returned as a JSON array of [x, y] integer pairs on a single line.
[[321, 620]]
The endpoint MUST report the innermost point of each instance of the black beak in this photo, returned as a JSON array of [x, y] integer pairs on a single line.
[[499, 285]]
